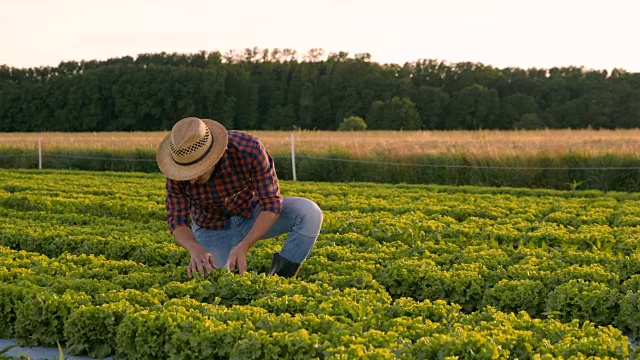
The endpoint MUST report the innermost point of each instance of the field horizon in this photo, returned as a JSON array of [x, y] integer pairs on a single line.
[[361, 144]]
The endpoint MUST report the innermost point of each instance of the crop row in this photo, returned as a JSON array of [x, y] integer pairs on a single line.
[[596, 287], [256, 316], [140, 197]]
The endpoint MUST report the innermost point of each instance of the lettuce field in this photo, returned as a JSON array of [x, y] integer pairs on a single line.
[[398, 272]]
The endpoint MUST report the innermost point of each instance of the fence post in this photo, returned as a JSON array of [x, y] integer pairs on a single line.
[[40, 152], [293, 158]]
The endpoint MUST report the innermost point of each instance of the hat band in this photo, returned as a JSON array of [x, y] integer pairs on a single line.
[[196, 160]]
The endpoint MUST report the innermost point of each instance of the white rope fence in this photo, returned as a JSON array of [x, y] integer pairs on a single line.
[[470, 166], [293, 158]]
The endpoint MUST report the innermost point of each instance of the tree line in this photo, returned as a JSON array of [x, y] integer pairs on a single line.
[[282, 90]]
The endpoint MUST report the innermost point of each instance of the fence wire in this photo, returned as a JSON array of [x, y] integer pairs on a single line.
[[386, 163], [98, 158], [469, 166]]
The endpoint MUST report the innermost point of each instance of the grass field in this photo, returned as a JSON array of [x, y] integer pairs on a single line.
[[483, 143], [557, 159]]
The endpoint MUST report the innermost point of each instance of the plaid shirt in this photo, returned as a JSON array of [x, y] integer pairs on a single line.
[[244, 177]]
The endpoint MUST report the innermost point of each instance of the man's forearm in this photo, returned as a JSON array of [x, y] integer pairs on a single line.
[[201, 261], [185, 238], [263, 223]]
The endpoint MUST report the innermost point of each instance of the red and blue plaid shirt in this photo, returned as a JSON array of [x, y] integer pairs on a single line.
[[244, 177]]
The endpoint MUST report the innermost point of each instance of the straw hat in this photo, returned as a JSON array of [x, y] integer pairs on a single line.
[[192, 148]]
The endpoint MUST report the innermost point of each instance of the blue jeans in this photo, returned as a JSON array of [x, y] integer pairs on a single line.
[[300, 217]]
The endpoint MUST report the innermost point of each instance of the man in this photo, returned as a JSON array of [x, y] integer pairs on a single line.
[[226, 183]]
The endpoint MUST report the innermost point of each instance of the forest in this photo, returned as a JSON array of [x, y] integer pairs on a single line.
[[279, 89]]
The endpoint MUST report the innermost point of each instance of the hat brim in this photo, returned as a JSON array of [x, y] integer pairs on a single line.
[[180, 172]]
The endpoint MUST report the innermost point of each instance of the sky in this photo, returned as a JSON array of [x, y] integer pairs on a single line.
[[517, 33]]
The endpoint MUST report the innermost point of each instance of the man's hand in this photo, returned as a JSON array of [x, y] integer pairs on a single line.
[[238, 256], [202, 262]]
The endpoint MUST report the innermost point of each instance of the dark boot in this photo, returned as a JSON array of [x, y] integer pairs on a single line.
[[283, 267]]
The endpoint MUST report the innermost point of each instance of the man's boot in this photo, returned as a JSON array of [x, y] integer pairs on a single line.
[[283, 267]]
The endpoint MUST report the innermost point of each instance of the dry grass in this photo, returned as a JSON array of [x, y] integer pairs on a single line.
[[483, 143]]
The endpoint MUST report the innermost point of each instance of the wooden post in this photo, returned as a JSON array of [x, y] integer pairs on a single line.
[[293, 159], [40, 152]]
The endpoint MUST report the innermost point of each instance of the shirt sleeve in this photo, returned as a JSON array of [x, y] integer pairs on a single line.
[[177, 205], [265, 181]]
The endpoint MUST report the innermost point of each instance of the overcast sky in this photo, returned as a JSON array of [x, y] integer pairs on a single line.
[[519, 33]]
